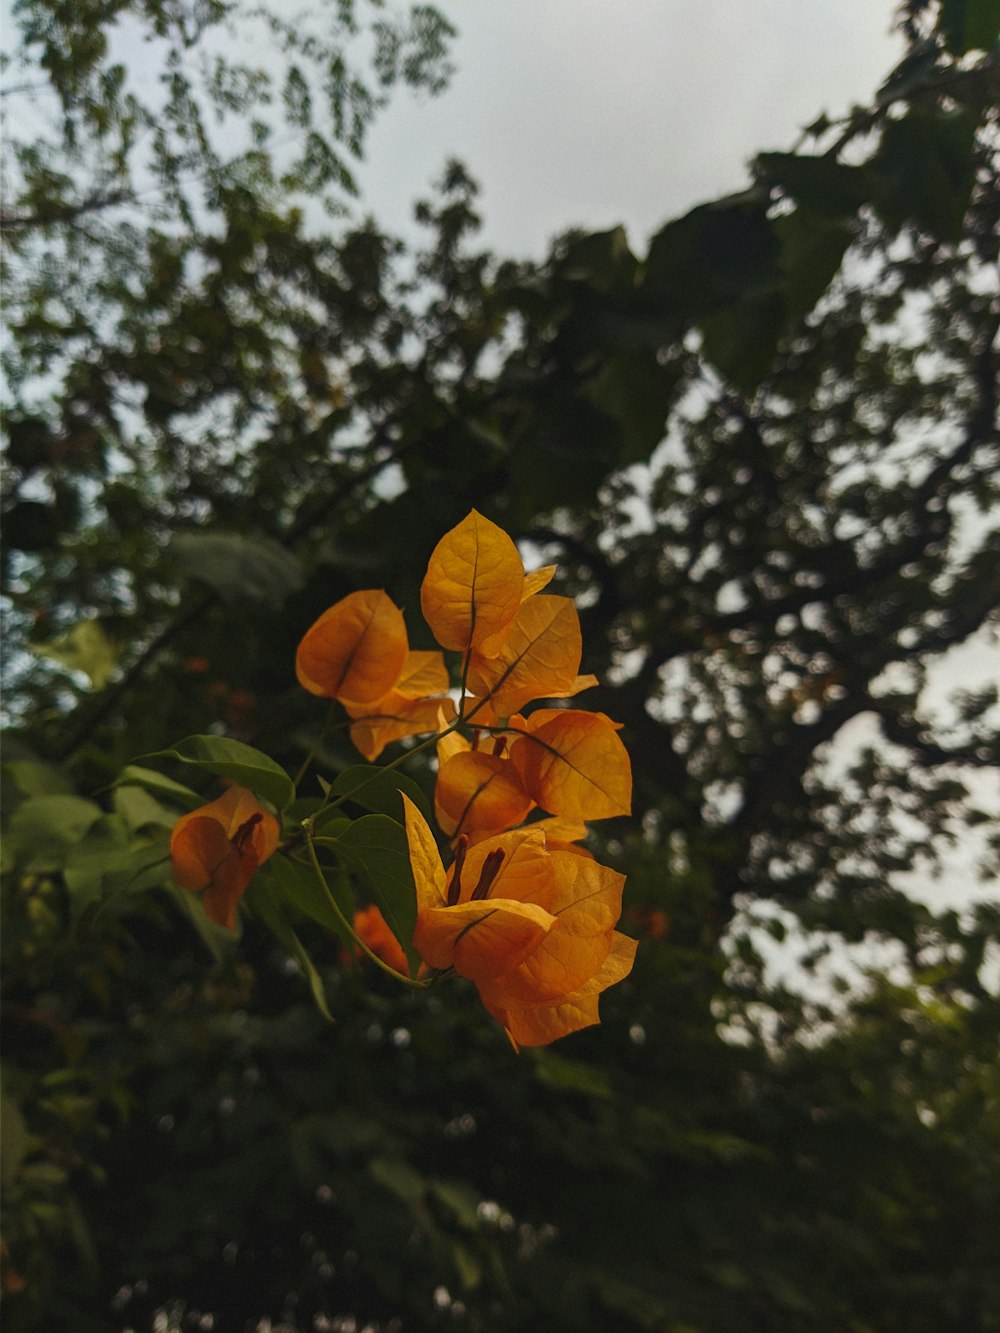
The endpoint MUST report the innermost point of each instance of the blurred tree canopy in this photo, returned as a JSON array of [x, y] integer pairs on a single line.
[[764, 455]]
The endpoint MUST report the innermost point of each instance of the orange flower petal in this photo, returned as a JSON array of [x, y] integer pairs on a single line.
[[425, 859], [557, 967], [371, 926], [218, 848], [585, 898], [480, 712], [355, 651], [538, 657], [480, 939], [533, 583], [577, 686], [394, 717], [560, 831], [424, 673], [539, 1024], [452, 744], [199, 850], [473, 583], [537, 580], [573, 765], [477, 793], [526, 870]]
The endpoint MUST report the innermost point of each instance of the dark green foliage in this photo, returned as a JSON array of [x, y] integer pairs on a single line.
[[764, 458]]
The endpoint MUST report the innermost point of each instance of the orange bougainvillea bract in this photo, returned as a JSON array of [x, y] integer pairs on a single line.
[[523, 911], [217, 849], [474, 584], [356, 650], [533, 928], [371, 927]]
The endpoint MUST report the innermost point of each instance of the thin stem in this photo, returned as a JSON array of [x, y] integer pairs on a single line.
[[328, 726], [327, 804], [318, 870]]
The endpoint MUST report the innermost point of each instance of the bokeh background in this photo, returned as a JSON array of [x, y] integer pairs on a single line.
[[718, 337]]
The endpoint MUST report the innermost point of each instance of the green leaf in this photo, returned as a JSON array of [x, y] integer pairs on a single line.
[[377, 789], [812, 247], [220, 942], [635, 391], [741, 340], [112, 861], [260, 899], [33, 778], [571, 1075], [150, 780], [375, 846], [820, 183], [84, 648], [296, 883], [602, 260], [970, 25], [925, 171], [717, 254], [91, 859], [139, 809], [43, 829], [240, 569], [400, 1179], [232, 759]]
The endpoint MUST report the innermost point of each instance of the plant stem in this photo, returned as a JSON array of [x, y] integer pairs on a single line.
[[318, 870], [325, 730]]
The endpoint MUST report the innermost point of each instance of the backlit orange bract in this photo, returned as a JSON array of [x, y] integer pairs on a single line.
[[371, 927], [572, 763], [415, 703], [537, 656], [532, 927], [355, 651], [473, 585], [217, 849], [479, 793]]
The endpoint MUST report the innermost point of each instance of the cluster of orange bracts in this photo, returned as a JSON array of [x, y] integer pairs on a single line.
[[522, 911]]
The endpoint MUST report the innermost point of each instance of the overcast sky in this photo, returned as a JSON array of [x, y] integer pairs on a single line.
[[579, 112]]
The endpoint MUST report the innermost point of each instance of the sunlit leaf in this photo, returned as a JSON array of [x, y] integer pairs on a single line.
[[573, 764], [481, 939], [84, 648], [538, 658], [477, 793], [356, 649], [473, 583], [425, 859]]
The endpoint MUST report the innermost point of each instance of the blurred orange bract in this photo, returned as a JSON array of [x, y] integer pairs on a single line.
[[372, 929], [217, 849]]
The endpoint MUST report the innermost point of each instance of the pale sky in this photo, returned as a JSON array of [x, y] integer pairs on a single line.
[[582, 113]]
